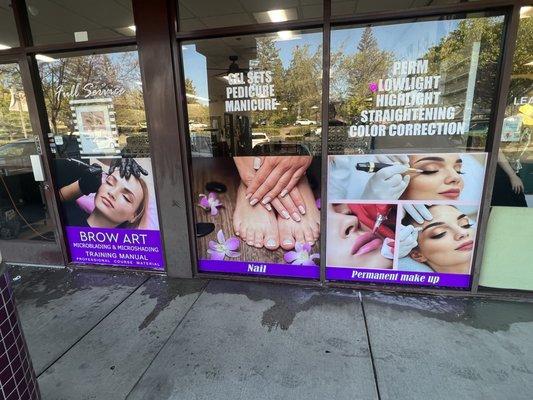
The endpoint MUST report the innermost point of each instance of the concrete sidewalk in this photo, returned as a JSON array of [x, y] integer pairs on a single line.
[[95, 335]]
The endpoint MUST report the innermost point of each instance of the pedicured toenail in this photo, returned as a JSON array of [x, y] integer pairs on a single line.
[[271, 243], [288, 242]]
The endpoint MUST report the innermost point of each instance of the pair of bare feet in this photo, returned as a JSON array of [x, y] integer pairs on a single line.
[[258, 227]]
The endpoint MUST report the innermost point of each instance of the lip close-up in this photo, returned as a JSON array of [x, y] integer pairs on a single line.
[[107, 202], [466, 246], [366, 243], [451, 193]]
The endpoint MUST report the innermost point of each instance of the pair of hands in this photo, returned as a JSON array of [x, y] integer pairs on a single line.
[[91, 175], [271, 181], [388, 183]]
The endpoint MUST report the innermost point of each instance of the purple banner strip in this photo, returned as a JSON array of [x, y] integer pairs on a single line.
[[398, 277], [132, 248], [258, 268]]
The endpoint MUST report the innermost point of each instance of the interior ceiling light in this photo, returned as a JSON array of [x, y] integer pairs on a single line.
[[42, 57], [277, 15], [287, 35], [4, 46], [526, 12]]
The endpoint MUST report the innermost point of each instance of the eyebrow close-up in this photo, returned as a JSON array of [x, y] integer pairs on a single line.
[[430, 159], [432, 225]]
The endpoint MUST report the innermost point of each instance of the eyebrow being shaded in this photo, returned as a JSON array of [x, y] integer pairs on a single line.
[[442, 223], [439, 159]]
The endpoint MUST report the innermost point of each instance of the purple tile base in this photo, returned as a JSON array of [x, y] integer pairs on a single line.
[[17, 378]]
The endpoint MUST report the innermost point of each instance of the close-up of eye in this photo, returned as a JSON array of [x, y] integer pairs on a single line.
[[438, 235], [127, 198], [429, 172]]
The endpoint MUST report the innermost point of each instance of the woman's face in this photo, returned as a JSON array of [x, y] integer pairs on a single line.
[[351, 244], [447, 241], [441, 179], [118, 198]]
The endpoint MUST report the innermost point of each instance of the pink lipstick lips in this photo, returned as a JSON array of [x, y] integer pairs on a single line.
[[451, 193], [366, 243], [466, 246]]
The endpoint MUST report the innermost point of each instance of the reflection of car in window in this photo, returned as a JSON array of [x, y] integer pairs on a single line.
[[304, 122], [258, 138]]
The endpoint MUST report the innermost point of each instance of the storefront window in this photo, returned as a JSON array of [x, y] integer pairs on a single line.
[[408, 126], [508, 252], [102, 165], [254, 107], [8, 29], [23, 214], [351, 7], [79, 20], [196, 15]]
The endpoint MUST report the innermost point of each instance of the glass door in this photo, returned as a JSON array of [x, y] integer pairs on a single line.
[[27, 229]]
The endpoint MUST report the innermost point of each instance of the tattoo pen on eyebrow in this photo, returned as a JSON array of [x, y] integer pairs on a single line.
[[375, 167]]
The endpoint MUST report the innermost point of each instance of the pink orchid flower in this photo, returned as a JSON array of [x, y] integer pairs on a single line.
[[218, 251], [373, 86], [210, 203], [301, 255]]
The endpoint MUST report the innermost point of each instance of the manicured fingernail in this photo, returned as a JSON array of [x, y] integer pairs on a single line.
[[253, 202], [302, 209], [268, 207], [266, 200], [288, 242], [311, 243], [248, 196], [296, 217], [283, 193], [285, 214], [257, 162], [271, 243]]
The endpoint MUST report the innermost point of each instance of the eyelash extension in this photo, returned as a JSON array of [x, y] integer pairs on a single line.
[[428, 172], [466, 226], [460, 172]]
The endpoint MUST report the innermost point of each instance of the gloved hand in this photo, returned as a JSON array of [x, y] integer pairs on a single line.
[[408, 239], [127, 167], [419, 212], [90, 178], [387, 183]]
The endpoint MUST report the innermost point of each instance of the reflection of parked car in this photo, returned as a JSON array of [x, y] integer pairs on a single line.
[[16, 155], [259, 137], [304, 122]]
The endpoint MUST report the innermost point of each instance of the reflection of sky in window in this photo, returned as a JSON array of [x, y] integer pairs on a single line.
[[406, 41], [195, 66]]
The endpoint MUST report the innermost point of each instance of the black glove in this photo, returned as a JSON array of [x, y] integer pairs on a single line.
[[90, 179], [127, 167]]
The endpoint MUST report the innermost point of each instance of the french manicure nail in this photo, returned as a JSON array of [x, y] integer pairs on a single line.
[[266, 200], [283, 193], [253, 202], [285, 214], [302, 209], [287, 242], [268, 207], [257, 162], [296, 217], [248, 196]]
